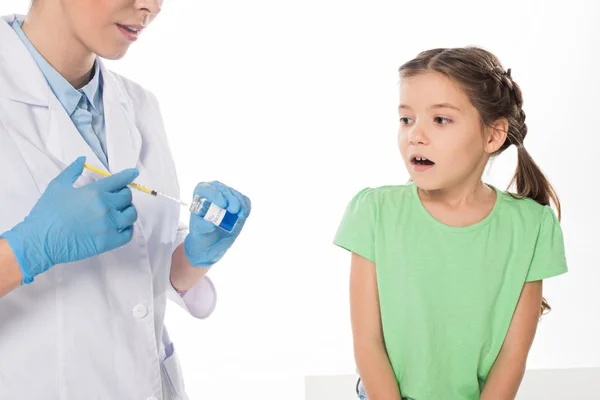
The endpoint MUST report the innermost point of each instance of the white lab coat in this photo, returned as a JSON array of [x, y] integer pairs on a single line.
[[92, 329]]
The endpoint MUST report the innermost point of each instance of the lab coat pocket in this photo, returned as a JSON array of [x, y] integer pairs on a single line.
[[172, 378]]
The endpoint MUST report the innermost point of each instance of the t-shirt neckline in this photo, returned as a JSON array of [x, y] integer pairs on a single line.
[[491, 215]]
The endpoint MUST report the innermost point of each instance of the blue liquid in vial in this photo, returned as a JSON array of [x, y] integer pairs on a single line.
[[212, 213]]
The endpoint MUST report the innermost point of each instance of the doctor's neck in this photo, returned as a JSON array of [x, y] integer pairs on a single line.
[[56, 42]]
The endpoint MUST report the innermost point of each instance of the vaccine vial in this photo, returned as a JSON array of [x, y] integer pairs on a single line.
[[213, 213]]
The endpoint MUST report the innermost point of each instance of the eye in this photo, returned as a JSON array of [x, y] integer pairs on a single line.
[[442, 120], [405, 120]]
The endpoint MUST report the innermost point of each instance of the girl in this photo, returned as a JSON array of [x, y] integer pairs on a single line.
[[85, 271], [446, 272]]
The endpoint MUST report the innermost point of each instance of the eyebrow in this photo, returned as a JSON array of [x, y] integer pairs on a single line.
[[435, 106]]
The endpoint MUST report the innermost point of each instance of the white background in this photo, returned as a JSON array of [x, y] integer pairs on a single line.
[[294, 104]]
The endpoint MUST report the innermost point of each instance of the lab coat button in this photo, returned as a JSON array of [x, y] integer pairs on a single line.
[[140, 311]]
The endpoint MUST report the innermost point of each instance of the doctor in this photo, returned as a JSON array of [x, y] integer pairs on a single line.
[[86, 265]]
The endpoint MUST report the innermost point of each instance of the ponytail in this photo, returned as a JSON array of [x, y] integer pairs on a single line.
[[533, 184]]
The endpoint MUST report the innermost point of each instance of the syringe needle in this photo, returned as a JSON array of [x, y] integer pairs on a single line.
[[173, 199]]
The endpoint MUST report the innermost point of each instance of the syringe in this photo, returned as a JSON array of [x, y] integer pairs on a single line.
[[141, 188]]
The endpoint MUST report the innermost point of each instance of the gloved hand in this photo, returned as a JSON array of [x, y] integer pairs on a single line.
[[206, 244], [70, 224]]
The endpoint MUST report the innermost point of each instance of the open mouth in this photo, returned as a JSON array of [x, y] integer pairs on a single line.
[[420, 160], [129, 29]]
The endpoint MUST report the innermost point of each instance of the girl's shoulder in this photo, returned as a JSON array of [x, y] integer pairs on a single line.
[[381, 195], [523, 207]]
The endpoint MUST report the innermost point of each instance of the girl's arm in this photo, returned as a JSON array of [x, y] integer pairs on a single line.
[[508, 370], [369, 350]]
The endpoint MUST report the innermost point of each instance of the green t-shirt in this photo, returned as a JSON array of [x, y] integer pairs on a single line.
[[447, 294]]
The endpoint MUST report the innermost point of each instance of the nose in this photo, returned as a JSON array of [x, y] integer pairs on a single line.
[[150, 8], [417, 135]]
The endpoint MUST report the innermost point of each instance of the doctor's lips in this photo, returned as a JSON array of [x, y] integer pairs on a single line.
[[131, 32], [420, 162]]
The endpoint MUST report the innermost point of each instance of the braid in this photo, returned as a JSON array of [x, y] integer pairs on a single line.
[[527, 171], [510, 96]]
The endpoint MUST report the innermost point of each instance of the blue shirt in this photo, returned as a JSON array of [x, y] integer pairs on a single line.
[[84, 106]]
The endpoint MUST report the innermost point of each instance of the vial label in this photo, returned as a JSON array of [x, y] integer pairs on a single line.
[[215, 214]]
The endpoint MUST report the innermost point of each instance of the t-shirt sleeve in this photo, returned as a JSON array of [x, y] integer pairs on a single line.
[[549, 254], [356, 232]]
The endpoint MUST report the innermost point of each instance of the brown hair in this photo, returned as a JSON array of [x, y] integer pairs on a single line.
[[495, 95]]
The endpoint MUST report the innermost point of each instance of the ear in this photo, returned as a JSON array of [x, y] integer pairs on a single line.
[[496, 135]]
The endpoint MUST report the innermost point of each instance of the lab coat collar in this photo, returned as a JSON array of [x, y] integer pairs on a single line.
[[22, 81], [123, 139], [68, 96]]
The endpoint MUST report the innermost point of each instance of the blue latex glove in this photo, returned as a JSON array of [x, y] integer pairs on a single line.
[[69, 224], [206, 243]]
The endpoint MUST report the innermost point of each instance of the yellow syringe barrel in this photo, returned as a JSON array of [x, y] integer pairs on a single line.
[[134, 185]]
